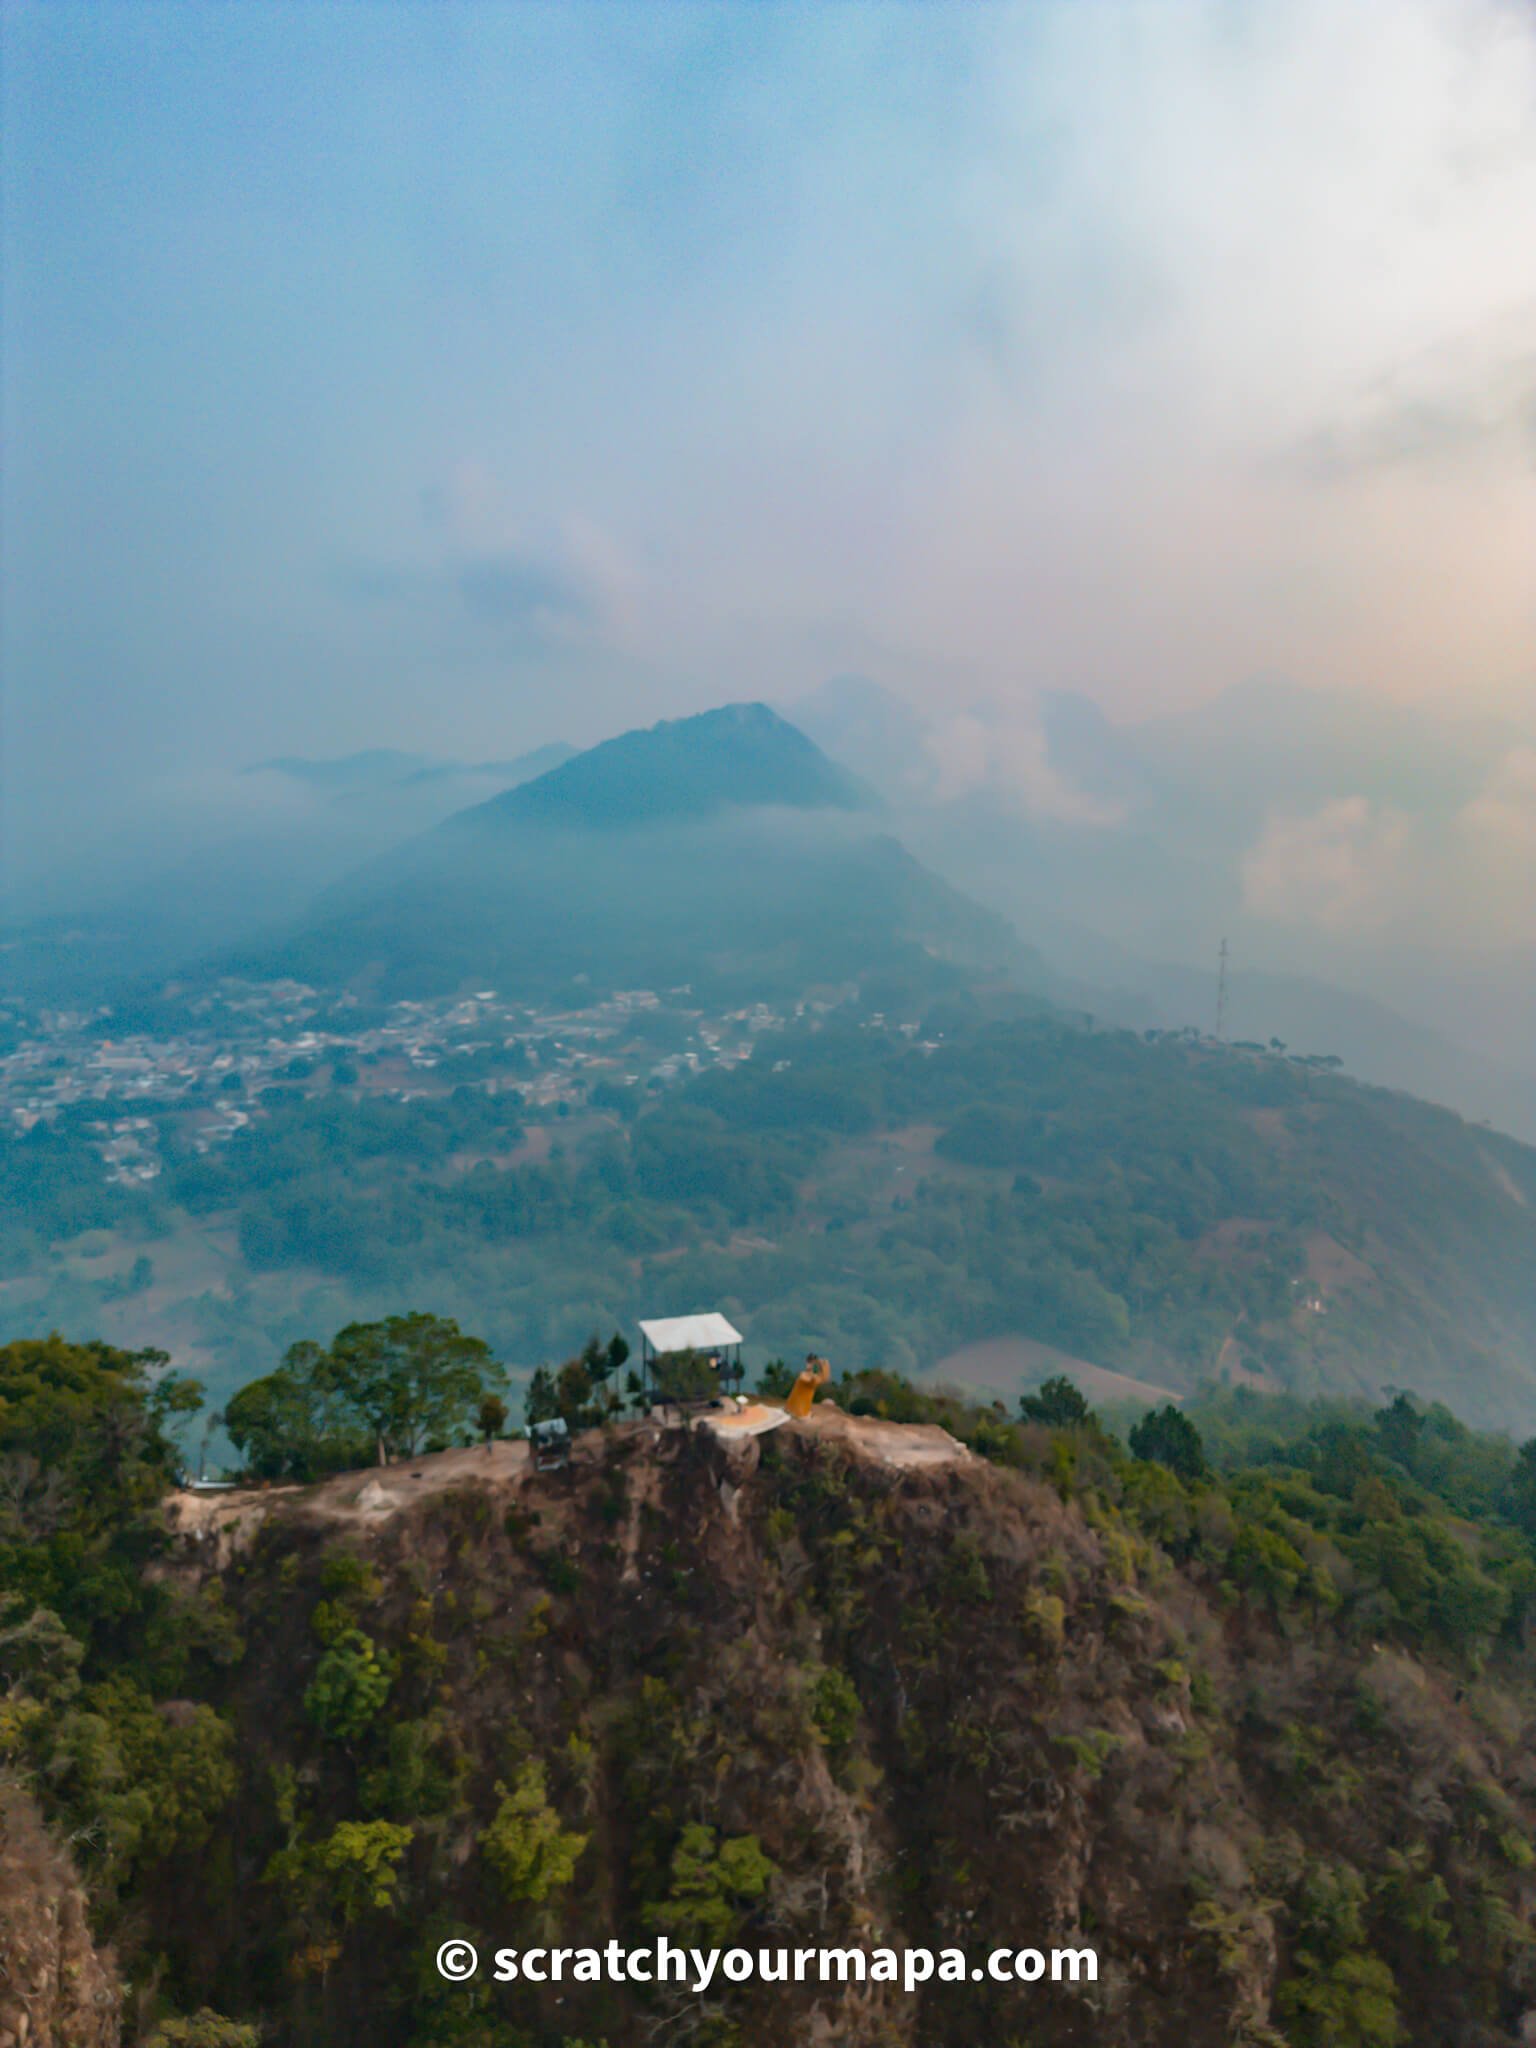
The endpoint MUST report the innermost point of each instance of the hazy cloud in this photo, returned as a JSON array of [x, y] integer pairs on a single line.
[[1493, 868], [1504, 811], [1340, 867], [700, 352], [1468, 878], [980, 750], [514, 591], [1461, 404], [520, 597]]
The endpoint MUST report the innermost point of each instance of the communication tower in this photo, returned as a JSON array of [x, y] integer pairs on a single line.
[[1221, 990]]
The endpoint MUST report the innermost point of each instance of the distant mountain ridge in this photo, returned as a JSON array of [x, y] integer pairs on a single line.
[[741, 756], [724, 848], [1129, 893], [372, 769]]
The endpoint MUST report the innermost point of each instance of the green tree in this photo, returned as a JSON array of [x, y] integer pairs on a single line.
[[1412, 1893], [40, 1659], [775, 1379], [412, 1379], [1520, 1493], [540, 1402], [1399, 1429], [1165, 1437], [491, 1417], [138, 1785], [603, 1360], [296, 1422], [524, 1847], [1350, 2002], [331, 1884], [834, 1707], [86, 1454], [1263, 1562], [359, 1862], [713, 1884], [686, 1376], [350, 1685], [1058, 1403], [577, 1391]]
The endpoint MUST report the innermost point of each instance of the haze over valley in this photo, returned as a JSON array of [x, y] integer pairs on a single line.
[[768, 1024], [682, 1017]]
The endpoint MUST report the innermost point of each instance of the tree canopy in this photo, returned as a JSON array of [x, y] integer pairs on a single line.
[[1165, 1437], [1058, 1403], [390, 1389]]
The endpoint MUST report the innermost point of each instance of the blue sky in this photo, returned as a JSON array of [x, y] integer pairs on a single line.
[[458, 377]]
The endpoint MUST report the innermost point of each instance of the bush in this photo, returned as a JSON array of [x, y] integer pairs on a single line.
[[525, 1848], [711, 1886], [350, 1685], [1350, 2003], [205, 2029], [834, 1708]]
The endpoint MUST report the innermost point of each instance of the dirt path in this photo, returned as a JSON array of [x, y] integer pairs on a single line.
[[892, 1443], [220, 1525]]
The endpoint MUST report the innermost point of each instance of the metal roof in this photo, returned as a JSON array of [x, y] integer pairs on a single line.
[[689, 1333]]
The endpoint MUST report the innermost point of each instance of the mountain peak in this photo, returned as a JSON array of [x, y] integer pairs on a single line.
[[737, 757]]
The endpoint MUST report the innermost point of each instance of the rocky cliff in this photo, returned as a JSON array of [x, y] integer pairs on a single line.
[[845, 1684], [56, 1989]]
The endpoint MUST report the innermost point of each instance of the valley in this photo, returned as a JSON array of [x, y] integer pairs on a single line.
[[848, 1113], [767, 1025], [1150, 1214]]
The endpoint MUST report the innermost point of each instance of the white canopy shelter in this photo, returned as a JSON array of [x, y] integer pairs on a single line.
[[688, 1333], [710, 1337]]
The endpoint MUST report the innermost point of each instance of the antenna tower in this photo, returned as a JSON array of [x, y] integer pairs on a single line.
[[1221, 990]]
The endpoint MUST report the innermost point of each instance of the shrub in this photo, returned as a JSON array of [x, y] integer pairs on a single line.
[[350, 1685], [1045, 1620], [205, 2029], [834, 1707], [525, 1848], [711, 1886], [1349, 2003]]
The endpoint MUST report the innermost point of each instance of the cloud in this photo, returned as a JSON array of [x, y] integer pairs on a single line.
[[1341, 867], [1465, 876], [475, 563], [516, 596], [693, 354], [1492, 857], [1141, 250], [1007, 750], [1502, 816], [1460, 406], [514, 590]]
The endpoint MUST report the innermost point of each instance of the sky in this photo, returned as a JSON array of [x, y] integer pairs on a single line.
[[459, 378]]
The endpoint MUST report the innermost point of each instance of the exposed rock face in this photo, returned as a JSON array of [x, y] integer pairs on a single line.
[[837, 1686], [56, 1990]]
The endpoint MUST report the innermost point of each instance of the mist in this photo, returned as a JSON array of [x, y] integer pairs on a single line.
[[460, 380]]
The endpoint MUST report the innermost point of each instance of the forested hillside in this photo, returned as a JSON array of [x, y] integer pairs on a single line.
[[724, 851], [1245, 1706], [1172, 1210]]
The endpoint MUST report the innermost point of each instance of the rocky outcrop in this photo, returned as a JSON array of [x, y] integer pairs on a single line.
[[56, 1989]]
